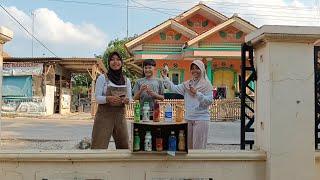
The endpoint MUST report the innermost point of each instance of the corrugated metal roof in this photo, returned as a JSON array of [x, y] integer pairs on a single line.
[[68, 62], [49, 58]]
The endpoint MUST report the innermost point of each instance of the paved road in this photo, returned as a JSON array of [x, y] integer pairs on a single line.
[[51, 128], [76, 127]]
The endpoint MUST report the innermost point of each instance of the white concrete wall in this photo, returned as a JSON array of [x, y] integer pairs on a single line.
[[262, 91], [49, 99], [65, 101], [122, 165], [285, 108], [285, 99], [292, 104], [317, 165]]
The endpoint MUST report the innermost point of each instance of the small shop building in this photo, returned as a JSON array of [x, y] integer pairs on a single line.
[[42, 85]]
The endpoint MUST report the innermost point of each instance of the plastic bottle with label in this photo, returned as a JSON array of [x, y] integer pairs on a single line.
[[172, 142], [168, 113], [148, 141], [146, 112], [182, 141], [136, 140], [179, 113], [137, 111], [159, 140], [156, 112]]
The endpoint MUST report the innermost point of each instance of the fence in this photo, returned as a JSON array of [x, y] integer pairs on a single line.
[[220, 109]]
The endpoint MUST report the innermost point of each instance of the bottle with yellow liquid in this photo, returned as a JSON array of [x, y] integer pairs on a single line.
[[182, 141], [179, 114]]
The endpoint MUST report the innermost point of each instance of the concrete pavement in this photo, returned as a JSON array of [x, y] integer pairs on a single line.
[[77, 126]]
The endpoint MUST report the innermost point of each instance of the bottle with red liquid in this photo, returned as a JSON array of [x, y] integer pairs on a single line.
[[159, 140], [156, 112]]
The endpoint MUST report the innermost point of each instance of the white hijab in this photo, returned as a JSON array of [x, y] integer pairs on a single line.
[[203, 84]]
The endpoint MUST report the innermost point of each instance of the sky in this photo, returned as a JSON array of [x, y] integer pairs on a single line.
[[83, 28]]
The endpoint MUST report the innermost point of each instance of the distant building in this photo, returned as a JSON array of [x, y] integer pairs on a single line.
[[42, 85], [199, 33]]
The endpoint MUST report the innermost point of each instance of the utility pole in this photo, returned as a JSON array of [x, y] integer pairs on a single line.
[[316, 7], [127, 19], [32, 14]]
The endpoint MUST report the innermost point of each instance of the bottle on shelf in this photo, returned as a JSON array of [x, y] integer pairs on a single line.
[[136, 140], [172, 142], [156, 112], [159, 140], [182, 141], [179, 114], [146, 112], [168, 113], [148, 141], [137, 111]]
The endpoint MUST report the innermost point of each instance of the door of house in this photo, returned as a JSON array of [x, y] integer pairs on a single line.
[[224, 79]]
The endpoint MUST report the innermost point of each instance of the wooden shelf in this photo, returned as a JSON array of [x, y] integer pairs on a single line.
[[157, 152], [165, 130], [159, 123]]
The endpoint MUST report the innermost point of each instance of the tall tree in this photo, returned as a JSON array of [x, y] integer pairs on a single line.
[[118, 45]]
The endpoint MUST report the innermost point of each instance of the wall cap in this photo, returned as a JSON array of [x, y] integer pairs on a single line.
[[277, 33], [126, 155]]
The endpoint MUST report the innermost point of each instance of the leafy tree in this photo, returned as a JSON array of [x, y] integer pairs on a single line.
[[118, 45], [84, 80], [81, 80]]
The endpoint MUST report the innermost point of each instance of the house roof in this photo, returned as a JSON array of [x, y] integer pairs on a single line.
[[203, 10], [5, 34], [169, 23], [237, 22], [74, 64]]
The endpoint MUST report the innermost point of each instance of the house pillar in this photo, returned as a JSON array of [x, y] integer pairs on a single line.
[[285, 99], [5, 36], [209, 69]]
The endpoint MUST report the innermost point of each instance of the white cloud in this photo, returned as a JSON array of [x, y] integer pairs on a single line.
[[63, 38], [258, 12], [85, 39], [275, 12]]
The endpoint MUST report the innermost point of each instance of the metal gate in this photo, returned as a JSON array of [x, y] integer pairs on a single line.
[[248, 75]]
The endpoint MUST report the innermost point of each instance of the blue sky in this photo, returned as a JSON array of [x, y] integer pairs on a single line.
[[82, 30]]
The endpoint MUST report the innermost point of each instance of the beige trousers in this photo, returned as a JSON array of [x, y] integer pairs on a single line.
[[197, 134]]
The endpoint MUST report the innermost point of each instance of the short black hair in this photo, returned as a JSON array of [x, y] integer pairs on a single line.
[[149, 62]]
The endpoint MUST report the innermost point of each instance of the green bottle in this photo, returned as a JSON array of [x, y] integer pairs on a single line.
[[137, 111], [136, 140]]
